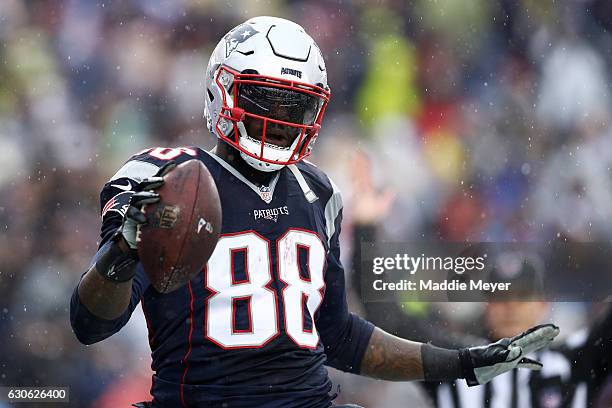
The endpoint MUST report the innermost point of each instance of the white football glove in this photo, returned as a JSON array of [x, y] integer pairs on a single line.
[[112, 262], [481, 364], [143, 194]]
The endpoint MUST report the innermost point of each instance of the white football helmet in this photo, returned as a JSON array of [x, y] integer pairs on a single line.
[[267, 76]]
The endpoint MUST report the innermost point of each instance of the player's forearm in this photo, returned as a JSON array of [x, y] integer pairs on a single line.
[[391, 358], [102, 297]]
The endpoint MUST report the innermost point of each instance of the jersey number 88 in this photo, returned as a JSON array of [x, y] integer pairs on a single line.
[[261, 300]]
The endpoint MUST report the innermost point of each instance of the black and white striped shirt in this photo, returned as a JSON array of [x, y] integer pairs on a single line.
[[571, 377]]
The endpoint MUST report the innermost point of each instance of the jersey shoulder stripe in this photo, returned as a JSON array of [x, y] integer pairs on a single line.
[[135, 170], [328, 192], [317, 180], [332, 210], [146, 163]]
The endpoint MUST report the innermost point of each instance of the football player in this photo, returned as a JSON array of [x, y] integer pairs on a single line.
[[269, 311]]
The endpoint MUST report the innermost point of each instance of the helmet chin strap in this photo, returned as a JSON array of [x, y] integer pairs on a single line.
[[310, 195], [260, 165]]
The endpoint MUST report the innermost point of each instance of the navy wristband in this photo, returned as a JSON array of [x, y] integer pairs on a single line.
[[116, 265], [440, 364]]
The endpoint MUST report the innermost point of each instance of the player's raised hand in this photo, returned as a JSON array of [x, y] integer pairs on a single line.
[[117, 263], [481, 364]]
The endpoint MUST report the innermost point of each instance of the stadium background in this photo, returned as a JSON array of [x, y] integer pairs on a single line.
[[475, 120]]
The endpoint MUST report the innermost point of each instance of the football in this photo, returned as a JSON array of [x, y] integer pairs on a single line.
[[183, 227]]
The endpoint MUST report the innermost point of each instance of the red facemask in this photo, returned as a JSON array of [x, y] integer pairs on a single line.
[[277, 112]]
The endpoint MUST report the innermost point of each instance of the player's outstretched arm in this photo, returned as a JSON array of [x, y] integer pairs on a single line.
[[105, 295], [106, 288], [391, 358]]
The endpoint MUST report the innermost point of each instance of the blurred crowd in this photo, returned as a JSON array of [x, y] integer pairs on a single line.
[[478, 120]]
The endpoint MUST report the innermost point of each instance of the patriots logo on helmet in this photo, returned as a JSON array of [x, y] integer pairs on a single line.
[[237, 37]]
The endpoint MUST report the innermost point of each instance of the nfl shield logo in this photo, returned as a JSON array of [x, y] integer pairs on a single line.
[[265, 194]]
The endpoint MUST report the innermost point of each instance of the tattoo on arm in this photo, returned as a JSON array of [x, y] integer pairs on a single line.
[[391, 358]]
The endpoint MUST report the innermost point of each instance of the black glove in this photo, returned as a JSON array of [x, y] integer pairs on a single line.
[[480, 364], [116, 264]]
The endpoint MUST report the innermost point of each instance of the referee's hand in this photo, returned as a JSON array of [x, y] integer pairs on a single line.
[[481, 364]]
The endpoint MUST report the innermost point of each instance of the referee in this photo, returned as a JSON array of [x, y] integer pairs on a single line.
[[573, 373]]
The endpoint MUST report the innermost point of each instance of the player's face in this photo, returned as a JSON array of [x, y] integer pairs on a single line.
[[276, 134], [277, 104], [507, 319]]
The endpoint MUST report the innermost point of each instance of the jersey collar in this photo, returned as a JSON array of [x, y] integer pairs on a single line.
[[266, 193]]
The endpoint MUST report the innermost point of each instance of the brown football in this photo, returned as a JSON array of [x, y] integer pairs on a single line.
[[183, 227]]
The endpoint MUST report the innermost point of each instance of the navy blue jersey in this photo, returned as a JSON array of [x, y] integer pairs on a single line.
[[268, 311]]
